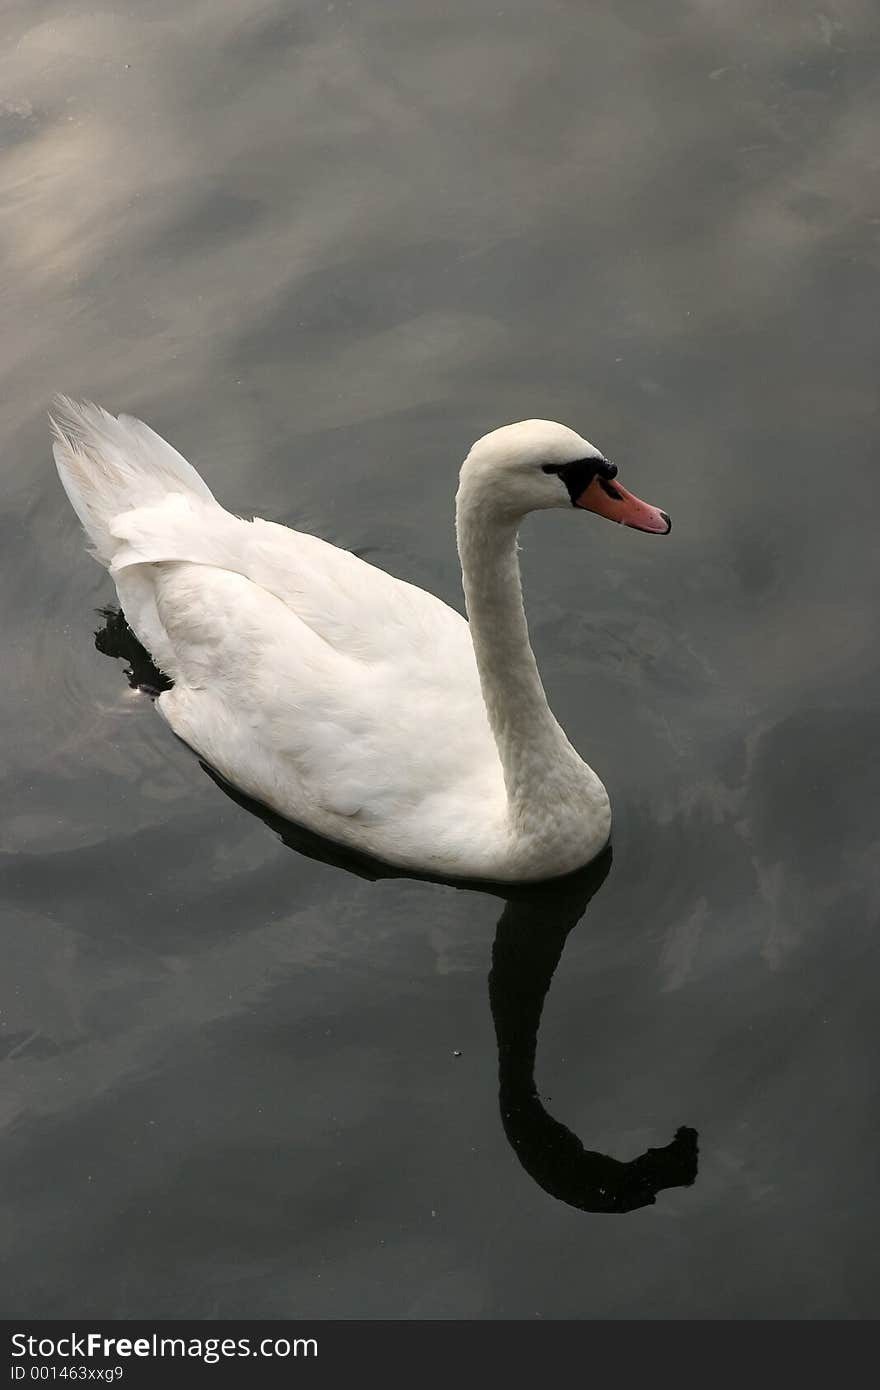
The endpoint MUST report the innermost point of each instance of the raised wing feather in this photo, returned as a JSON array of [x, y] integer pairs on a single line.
[[318, 733], [358, 609]]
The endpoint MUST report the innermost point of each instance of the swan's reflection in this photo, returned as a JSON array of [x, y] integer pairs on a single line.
[[530, 939], [529, 942]]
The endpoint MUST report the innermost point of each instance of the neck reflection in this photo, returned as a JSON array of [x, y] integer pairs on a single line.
[[529, 942]]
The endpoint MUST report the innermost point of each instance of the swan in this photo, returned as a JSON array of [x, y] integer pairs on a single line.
[[342, 698]]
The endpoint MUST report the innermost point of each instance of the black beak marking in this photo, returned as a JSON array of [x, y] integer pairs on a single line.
[[578, 475]]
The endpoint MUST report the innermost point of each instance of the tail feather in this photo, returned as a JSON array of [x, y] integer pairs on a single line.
[[108, 466]]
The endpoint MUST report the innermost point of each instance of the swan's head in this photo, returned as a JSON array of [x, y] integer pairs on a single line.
[[538, 464]]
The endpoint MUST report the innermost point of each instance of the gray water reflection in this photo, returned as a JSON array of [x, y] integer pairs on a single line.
[[322, 248]]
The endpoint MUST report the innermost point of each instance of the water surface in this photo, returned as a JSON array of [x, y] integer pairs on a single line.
[[321, 248]]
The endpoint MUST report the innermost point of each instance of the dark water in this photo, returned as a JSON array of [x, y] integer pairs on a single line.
[[322, 248]]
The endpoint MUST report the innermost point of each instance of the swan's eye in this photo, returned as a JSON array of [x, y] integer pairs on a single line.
[[578, 474], [603, 468]]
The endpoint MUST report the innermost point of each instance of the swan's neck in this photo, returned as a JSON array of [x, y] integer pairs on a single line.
[[543, 775]]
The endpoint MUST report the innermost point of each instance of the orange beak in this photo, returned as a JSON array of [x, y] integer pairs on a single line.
[[609, 499]]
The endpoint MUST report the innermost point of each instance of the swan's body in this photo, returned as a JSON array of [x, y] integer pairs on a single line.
[[347, 700]]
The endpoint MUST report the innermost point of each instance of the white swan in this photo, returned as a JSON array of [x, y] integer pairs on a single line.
[[343, 698]]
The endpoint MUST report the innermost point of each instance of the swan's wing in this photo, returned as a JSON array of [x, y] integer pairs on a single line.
[[358, 609], [322, 736], [314, 681]]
